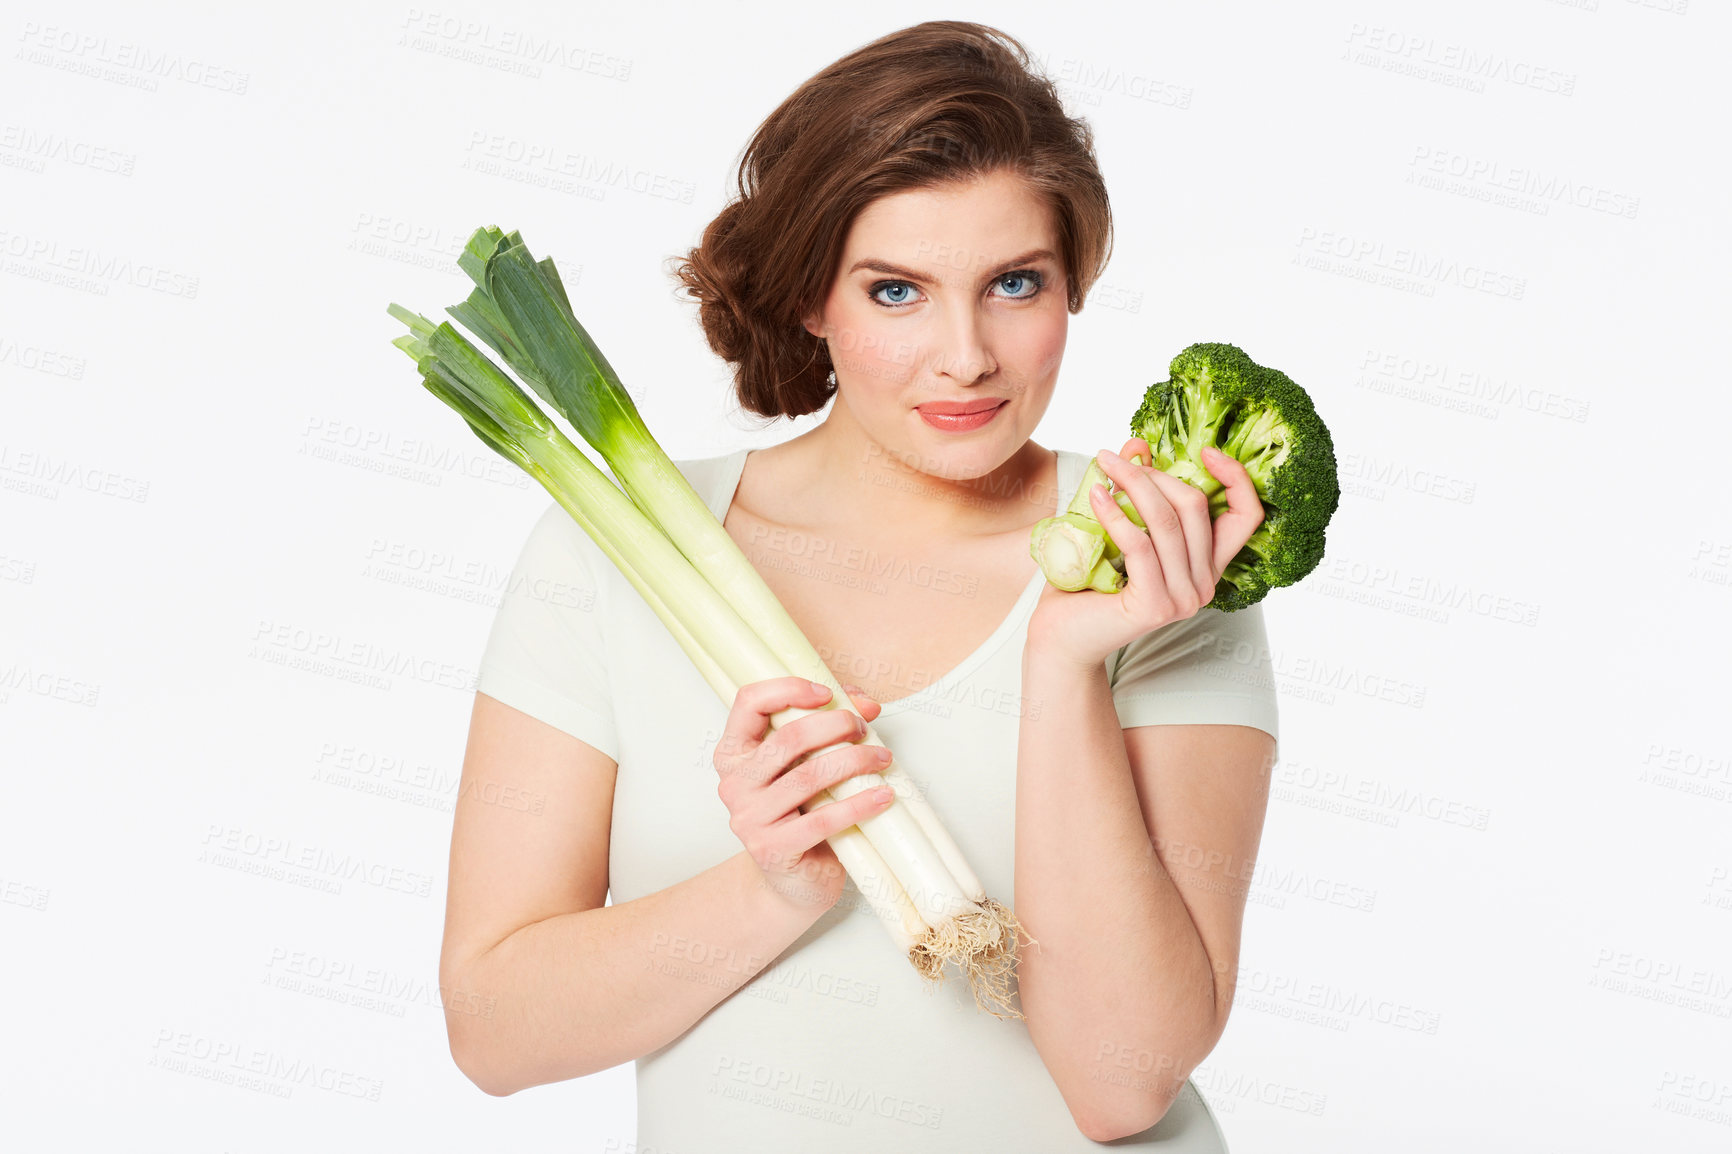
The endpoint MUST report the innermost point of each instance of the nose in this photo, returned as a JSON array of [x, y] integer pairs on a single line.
[[962, 355]]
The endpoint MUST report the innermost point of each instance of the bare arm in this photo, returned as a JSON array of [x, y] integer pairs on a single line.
[[1131, 985], [1117, 830], [545, 982]]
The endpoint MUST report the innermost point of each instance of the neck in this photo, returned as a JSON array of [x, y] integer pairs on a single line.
[[854, 478]]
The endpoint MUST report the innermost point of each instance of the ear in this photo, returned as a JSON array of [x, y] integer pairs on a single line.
[[814, 325]]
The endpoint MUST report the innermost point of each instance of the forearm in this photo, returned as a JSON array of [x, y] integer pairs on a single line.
[[1120, 982], [586, 991]]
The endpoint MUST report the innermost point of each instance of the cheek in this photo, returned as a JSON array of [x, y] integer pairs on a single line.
[[867, 346], [1039, 348]]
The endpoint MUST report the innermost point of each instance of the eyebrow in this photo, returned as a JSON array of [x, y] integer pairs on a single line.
[[885, 266]]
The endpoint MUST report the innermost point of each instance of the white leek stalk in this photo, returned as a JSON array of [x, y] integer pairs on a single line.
[[715, 604]]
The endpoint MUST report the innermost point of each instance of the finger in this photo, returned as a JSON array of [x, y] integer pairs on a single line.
[[754, 704], [1171, 533], [1244, 508], [812, 733], [1142, 565], [864, 705], [1193, 510], [1137, 447], [831, 817], [788, 752], [812, 777]]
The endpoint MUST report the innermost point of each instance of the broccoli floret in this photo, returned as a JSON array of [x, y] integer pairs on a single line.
[[1219, 396]]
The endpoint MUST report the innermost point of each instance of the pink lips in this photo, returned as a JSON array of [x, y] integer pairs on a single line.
[[960, 416]]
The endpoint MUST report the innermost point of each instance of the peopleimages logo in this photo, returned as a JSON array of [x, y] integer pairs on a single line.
[[1365, 258], [322, 651], [37, 359], [496, 154], [503, 47], [35, 149], [89, 269], [1543, 189], [1466, 389], [1456, 65], [257, 1068], [285, 859], [135, 65]]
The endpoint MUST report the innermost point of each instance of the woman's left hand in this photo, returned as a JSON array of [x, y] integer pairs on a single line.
[[1171, 567]]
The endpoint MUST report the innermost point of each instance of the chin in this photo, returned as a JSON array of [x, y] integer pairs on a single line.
[[939, 455]]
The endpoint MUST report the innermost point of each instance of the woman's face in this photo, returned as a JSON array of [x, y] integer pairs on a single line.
[[948, 301]]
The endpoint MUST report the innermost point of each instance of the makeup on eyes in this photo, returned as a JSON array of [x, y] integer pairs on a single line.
[[1034, 276]]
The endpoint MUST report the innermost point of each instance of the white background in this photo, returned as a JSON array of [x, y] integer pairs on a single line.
[[1494, 898]]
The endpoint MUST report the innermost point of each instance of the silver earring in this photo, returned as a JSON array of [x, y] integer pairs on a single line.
[[832, 378]]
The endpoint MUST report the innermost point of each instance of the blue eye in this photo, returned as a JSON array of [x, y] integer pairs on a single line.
[[1022, 276], [1024, 284]]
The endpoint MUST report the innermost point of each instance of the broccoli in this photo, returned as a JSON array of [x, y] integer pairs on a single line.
[[1216, 396]]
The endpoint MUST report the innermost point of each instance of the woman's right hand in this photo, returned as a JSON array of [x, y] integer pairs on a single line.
[[765, 782]]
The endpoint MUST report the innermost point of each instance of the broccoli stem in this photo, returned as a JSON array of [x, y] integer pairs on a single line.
[[1202, 427], [1074, 550]]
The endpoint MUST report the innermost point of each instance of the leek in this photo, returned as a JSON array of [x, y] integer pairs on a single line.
[[655, 528]]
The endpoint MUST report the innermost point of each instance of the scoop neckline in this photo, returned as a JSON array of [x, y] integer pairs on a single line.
[[1024, 606]]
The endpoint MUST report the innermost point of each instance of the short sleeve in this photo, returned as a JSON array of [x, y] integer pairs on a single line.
[[1212, 668], [546, 654]]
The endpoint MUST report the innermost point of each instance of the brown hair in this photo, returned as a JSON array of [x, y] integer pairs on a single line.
[[942, 101]]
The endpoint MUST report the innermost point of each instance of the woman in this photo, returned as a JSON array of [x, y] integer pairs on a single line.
[[914, 226]]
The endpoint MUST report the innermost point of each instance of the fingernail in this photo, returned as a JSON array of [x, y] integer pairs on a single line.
[[1110, 455], [882, 755], [1099, 491], [819, 688], [883, 795]]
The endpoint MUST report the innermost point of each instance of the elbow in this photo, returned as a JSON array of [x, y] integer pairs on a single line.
[[489, 1088], [466, 1019], [1109, 1106], [474, 1067], [1103, 1126], [1100, 1129], [1105, 1113]]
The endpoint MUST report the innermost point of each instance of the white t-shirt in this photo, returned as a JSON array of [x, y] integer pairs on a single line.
[[838, 1045]]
